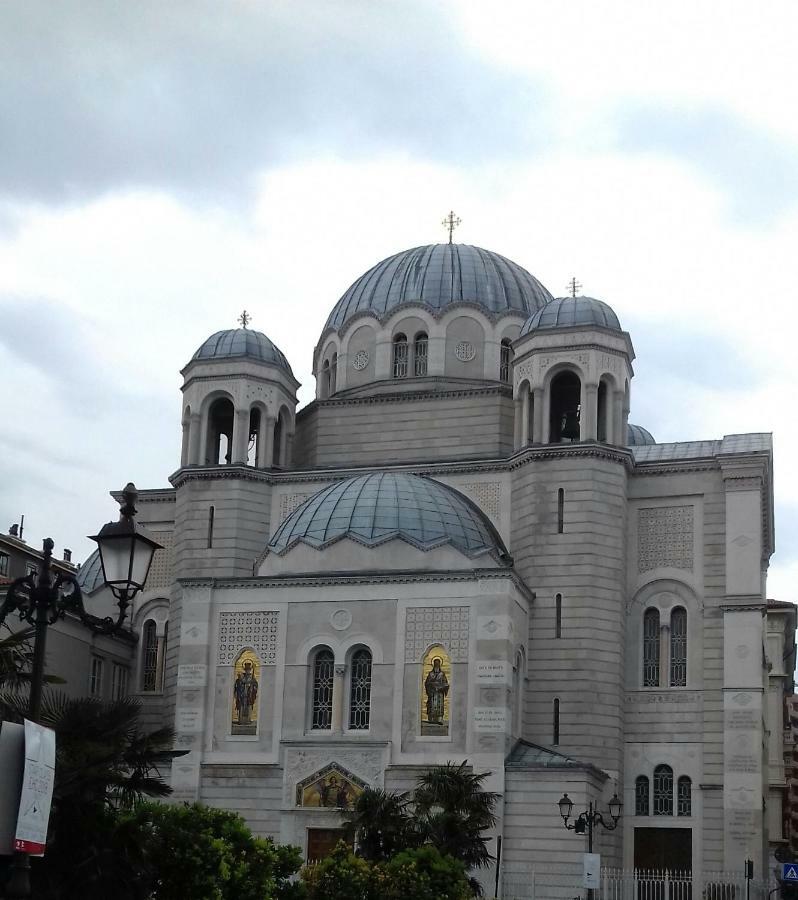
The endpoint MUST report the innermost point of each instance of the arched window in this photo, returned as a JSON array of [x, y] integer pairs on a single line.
[[333, 372], [420, 345], [505, 355], [278, 446], [641, 796], [565, 403], [663, 791], [678, 674], [325, 379], [220, 432], [651, 648], [684, 800], [253, 443], [601, 411], [322, 699], [400, 356], [149, 657], [360, 690]]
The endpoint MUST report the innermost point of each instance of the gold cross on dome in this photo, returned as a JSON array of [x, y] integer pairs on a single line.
[[574, 286], [245, 318], [451, 222]]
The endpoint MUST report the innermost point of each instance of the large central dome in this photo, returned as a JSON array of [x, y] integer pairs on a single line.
[[438, 276]]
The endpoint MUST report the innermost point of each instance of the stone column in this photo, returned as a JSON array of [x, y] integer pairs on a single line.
[[525, 415], [588, 427], [517, 423], [545, 431], [240, 436], [184, 442], [338, 699], [194, 435], [537, 410]]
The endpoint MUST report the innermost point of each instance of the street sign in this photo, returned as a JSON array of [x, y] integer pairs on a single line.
[[591, 874], [37, 789], [789, 871]]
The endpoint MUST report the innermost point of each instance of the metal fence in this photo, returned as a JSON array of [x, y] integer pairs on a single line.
[[565, 883]]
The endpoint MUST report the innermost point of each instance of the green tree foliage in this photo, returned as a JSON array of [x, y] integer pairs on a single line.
[[16, 659], [423, 874], [199, 853], [452, 810], [380, 825], [341, 876]]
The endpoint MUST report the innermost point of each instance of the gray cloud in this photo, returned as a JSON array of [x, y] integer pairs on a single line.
[[759, 173], [196, 96]]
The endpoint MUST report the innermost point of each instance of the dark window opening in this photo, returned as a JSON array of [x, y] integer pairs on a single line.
[[684, 797], [678, 673], [323, 676], [400, 356], [651, 648], [566, 400], [663, 791], [504, 361], [211, 513], [220, 432], [560, 511], [601, 423], [253, 439], [641, 796], [360, 690], [558, 616], [556, 723], [420, 347]]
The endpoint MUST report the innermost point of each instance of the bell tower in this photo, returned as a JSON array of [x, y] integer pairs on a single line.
[[572, 368]]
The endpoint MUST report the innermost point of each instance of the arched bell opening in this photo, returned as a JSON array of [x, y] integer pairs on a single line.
[[280, 440], [602, 413], [565, 408], [220, 432], [254, 437]]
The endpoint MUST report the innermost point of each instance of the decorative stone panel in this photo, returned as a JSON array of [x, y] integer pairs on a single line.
[[161, 570], [487, 496], [289, 502], [248, 629], [665, 538], [447, 625]]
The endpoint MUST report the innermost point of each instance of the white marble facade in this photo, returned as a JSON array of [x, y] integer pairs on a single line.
[[611, 637]]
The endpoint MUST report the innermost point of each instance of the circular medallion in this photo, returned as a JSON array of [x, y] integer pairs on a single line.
[[465, 351], [360, 360], [341, 619]]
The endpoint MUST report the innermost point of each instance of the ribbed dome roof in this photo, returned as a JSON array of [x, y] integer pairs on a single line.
[[379, 506], [242, 342], [573, 312], [90, 574], [637, 436], [438, 276]]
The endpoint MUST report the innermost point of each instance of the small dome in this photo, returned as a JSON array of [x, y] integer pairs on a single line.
[[637, 436], [438, 276], [573, 312], [90, 574], [242, 342], [377, 507]]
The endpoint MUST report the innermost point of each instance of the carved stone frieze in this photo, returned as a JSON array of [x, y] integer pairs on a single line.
[[665, 538], [289, 502], [446, 625], [248, 629], [302, 762], [486, 494]]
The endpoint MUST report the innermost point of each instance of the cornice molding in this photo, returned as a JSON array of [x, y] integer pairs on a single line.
[[492, 389]]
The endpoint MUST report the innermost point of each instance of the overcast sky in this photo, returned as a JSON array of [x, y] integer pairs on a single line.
[[165, 165]]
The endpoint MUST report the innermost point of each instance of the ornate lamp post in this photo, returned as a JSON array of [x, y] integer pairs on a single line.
[[586, 821], [126, 552]]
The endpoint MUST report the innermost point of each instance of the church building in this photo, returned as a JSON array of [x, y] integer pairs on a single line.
[[461, 549]]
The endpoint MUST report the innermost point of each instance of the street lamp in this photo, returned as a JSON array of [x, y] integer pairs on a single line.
[[586, 821], [126, 552]]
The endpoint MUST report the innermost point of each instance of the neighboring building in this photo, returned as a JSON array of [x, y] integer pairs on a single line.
[[91, 665], [462, 550]]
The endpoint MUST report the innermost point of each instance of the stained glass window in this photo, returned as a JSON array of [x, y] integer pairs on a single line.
[[651, 648], [400, 356], [663, 791], [149, 659], [420, 354], [504, 363], [641, 796], [684, 799], [360, 690], [323, 674], [679, 647]]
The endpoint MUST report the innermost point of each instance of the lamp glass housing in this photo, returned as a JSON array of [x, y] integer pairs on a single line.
[[126, 554], [615, 807], [566, 805]]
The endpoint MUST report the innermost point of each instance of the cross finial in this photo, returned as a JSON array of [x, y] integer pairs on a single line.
[[574, 286], [451, 222], [245, 318]]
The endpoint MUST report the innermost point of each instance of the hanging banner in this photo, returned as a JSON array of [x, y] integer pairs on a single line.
[[37, 789], [12, 760]]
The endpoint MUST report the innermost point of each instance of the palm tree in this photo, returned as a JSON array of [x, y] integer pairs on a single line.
[[452, 810], [380, 825]]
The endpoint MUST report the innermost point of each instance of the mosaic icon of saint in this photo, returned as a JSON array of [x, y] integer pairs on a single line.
[[436, 687], [245, 693]]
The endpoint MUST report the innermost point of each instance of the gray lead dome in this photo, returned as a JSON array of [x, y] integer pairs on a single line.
[[573, 312], [438, 276], [374, 508], [242, 342], [637, 436]]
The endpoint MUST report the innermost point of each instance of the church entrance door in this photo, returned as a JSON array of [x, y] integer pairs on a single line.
[[322, 841], [664, 848]]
